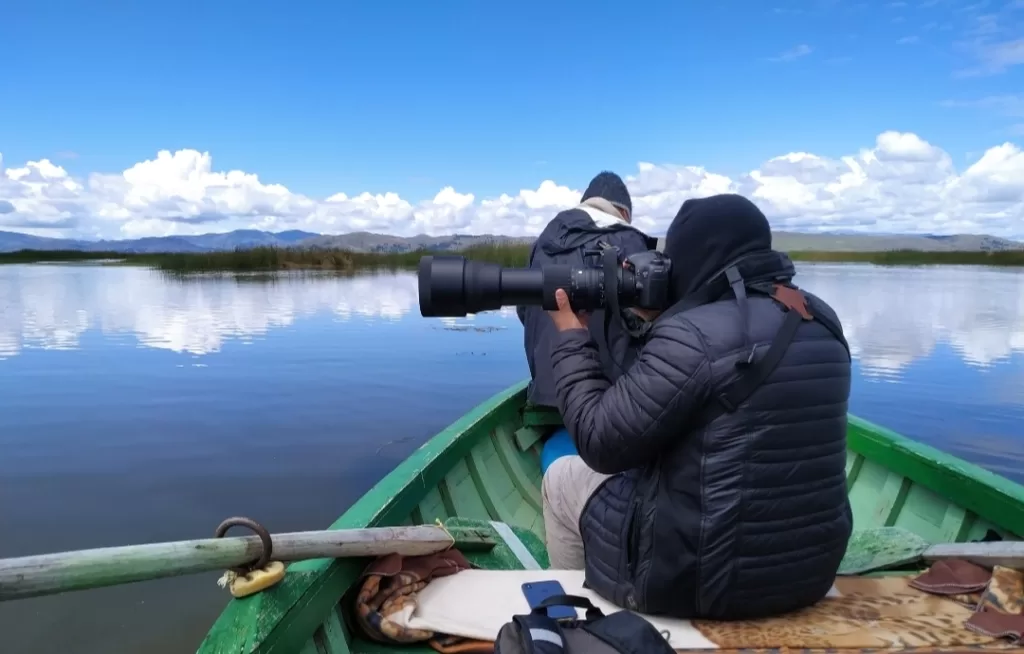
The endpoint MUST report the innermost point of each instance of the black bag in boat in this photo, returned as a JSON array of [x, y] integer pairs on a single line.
[[622, 632]]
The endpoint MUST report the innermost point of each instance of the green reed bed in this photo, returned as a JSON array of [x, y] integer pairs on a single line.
[[511, 255], [270, 258], [42, 256]]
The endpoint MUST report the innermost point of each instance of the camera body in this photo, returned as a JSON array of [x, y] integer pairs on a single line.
[[642, 278], [452, 286], [651, 273]]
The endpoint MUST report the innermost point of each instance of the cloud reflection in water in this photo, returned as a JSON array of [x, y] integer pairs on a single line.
[[892, 316]]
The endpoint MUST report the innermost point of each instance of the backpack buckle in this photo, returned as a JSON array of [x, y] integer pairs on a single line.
[[749, 360]]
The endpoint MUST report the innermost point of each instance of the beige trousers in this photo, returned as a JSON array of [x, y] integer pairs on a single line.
[[567, 485]]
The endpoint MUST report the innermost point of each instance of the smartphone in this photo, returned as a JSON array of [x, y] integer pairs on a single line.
[[538, 591]]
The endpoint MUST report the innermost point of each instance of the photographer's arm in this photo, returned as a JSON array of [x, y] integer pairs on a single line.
[[621, 426]]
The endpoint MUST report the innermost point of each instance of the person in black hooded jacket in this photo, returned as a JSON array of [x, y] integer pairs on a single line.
[[604, 216], [710, 481]]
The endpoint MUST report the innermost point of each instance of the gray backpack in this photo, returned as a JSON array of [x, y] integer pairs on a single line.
[[622, 632]]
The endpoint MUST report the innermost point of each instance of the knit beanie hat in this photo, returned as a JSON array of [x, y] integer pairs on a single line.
[[609, 186]]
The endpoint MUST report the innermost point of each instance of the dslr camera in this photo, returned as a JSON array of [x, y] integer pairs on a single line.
[[453, 286]]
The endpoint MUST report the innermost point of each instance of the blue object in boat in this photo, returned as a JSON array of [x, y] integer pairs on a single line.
[[558, 444]]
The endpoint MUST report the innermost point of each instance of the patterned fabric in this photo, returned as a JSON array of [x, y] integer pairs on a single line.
[[997, 597], [389, 586], [880, 613]]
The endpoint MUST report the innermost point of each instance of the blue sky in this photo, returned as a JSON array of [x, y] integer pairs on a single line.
[[410, 97]]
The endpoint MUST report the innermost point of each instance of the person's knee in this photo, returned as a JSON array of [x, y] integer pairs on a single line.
[[554, 481]]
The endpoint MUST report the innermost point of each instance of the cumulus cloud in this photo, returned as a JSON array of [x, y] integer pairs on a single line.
[[901, 184]]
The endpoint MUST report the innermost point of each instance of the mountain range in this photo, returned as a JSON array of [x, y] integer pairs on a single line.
[[369, 242]]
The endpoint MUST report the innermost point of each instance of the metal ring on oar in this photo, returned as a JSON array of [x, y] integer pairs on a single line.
[[264, 535]]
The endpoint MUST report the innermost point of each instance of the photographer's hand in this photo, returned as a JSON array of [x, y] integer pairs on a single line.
[[565, 318]]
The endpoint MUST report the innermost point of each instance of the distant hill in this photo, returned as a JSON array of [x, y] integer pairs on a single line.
[[787, 241], [369, 242], [241, 238]]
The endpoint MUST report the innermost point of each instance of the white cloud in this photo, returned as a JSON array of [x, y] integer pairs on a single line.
[[892, 316], [901, 184]]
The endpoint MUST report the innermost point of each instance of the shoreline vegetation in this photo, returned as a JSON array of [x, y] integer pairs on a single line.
[[263, 259]]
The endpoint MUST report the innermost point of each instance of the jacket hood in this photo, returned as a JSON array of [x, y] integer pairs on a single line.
[[710, 233], [573, 228]]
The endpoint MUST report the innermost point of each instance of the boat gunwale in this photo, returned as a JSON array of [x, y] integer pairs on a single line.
[[992, 497]]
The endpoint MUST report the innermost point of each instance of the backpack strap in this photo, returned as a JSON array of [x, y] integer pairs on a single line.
[[539, 634], [576, 601], [754, 372], [626, 632]]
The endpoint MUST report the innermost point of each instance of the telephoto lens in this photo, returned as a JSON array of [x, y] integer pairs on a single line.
[[453, 286]]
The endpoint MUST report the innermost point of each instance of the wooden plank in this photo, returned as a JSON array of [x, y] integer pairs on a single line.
[[1009, 554], [31, 576], [310, 647], [526, 437], [541, 417], [510, 459], [334, 634], [485, 486]]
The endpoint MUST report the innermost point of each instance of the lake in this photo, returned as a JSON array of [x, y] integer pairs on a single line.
[[135, 407]]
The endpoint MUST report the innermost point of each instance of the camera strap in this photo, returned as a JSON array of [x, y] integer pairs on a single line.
[[613, 310]]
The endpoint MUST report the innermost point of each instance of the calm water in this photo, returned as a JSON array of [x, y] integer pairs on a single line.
[[136, 408]]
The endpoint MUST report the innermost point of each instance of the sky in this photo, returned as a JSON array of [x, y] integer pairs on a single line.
[[122, 120]]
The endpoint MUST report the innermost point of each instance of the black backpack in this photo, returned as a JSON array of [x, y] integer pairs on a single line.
[[622, 632]]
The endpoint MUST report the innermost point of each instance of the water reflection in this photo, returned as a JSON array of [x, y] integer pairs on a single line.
[[50, 307], [892, 316]]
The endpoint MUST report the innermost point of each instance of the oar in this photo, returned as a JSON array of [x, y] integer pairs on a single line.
[[890, 547], [45, 574]]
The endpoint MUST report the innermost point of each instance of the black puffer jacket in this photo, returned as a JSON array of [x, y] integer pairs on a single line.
[[747, 515], [563, 241]]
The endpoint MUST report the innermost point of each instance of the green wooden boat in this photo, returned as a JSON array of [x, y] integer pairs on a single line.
[[484, 470]]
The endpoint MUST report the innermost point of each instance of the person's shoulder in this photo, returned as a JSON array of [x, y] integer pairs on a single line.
[[631, 239], [678, 328], [820, 306], [561, 222], [573, 216]]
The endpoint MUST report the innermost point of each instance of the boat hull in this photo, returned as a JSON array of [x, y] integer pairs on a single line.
[[485, 466]]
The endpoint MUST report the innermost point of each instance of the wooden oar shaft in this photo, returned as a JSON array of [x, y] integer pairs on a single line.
[[1008, 553], [30, 576]]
